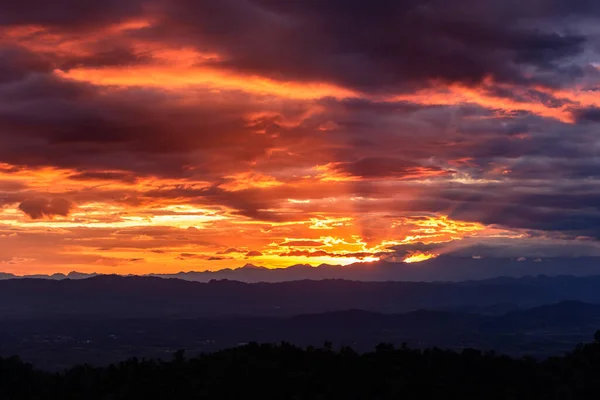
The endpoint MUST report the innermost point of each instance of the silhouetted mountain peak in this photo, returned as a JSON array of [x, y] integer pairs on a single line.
[[252, 266], [78, 275], [301, 267]]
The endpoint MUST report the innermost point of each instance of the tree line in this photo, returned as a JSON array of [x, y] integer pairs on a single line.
[[284, 371]]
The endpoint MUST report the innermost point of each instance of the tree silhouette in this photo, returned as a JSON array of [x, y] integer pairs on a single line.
[[284, 371]]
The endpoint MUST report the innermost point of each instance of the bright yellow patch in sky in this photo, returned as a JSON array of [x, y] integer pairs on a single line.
[[419, 257]]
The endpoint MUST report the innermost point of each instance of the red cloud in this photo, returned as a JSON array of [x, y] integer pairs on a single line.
[[40, 207]]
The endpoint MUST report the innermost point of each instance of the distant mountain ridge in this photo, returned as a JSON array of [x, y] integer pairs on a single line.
[[57, 276], [150, 296], [444, 268]]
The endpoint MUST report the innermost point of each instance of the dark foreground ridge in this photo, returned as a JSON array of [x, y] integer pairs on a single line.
[[288, 372], [55, 344]]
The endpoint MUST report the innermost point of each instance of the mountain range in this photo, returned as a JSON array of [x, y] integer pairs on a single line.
[[443, 268], [118, 296]]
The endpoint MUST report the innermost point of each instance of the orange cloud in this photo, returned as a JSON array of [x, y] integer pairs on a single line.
[[181, 78], [457, 94]]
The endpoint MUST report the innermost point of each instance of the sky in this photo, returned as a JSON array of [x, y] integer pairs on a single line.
[[157, 136]]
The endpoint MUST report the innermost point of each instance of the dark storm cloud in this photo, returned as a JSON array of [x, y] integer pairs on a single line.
[[526, 96], [103, 175], [408, 248], [381, 45], [104, 57], [359, 105], [42, 89], [47, 120], [562, 208], [591, 114], [40, 207], [530, 216], [17, 63], [564, 168], [534, 248], [81, 14]]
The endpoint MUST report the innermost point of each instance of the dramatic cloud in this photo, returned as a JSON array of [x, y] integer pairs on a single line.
[[40, 207], [385, 46], [195, 135]]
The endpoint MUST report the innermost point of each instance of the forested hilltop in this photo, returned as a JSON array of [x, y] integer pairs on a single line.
[[287, 372]]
